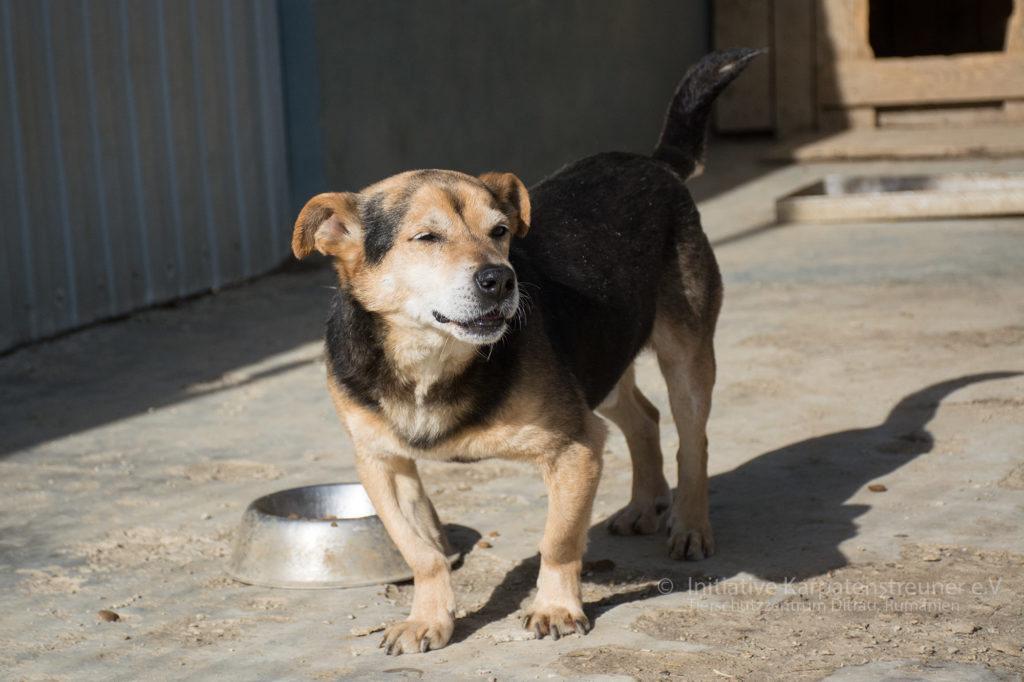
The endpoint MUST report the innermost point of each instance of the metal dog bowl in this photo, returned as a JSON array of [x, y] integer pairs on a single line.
[[317, 536]]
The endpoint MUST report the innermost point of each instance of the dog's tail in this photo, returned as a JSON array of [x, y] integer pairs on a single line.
[[685, 131]]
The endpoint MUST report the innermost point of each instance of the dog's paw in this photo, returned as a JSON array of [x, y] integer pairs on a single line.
[[691, 544], [412, 636], [637, 518], [556, 621]]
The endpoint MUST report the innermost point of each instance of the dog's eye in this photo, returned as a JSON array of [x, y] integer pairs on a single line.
[[427, 237], [499, 231]]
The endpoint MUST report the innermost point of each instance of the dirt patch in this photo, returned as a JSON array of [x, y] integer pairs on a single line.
[[135, 547], [805, 342], [999, 336], [997, 410], [937, 603], [1015, 479], [220, 582], [50, 580], [266, 604], [231, 471], [198, 631]]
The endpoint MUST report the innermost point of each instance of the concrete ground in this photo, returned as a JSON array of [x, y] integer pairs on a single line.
[[867, 490]]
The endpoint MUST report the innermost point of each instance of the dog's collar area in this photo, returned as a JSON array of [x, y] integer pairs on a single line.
[[488, 322]]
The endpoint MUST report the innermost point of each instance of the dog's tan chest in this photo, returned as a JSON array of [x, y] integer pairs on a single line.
[[419, 420], [525, 428]]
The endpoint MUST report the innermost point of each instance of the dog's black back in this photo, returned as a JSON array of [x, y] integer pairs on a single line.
[[609, 230], [596, 252]]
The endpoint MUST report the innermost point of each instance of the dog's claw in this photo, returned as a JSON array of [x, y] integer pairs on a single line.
[[558, 623], [691, 545], [412, 636]]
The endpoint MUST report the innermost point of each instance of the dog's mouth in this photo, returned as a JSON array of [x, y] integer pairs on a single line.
[[487, 323]]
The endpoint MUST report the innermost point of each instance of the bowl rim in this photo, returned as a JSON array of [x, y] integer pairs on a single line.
[[254, 506]]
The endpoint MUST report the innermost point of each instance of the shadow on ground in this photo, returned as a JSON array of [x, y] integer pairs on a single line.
[[157, 357], [781, 515]]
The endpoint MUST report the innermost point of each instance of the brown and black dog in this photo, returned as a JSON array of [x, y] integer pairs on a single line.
[[474, 319]]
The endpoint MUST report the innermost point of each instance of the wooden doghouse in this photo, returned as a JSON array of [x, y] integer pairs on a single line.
[[869, 64]]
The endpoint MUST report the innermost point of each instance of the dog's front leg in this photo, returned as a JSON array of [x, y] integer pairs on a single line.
[[394, 487], [571, 476]]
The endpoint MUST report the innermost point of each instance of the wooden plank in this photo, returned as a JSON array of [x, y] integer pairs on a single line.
[[1015, 28], [922, 207], [747, 104], [941, 196], [794, 46], [989, 76], [842, 36], [1015, 45], [942, 117], [922, 143], [844, 30]]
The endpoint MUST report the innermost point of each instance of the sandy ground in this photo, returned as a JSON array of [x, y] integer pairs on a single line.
[[850, 356]]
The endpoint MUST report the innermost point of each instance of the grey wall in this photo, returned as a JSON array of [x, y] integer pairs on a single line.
[[513, 85], [142, 155], [145, 144]]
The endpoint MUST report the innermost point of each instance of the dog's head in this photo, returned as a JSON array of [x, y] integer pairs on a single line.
[[425, 248]]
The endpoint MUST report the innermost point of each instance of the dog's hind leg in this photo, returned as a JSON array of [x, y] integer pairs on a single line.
[[638, 419], [687, 361]]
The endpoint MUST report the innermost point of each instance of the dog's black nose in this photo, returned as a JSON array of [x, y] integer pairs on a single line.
[[496, 281]]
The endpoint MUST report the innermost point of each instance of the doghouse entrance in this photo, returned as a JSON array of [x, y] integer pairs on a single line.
[[913, 28]]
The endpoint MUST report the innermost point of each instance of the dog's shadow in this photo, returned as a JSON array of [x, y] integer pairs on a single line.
[[781, 515]]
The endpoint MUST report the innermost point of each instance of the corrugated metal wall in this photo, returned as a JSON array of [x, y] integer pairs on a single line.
[[142, 155]]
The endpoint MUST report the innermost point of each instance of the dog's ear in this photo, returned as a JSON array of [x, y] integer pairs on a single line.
[[512, 197], [329, 223]]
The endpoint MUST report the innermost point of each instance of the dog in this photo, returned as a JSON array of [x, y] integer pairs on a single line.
[[476, 319]]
